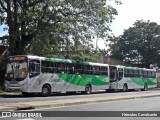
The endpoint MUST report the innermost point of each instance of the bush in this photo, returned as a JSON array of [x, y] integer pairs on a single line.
[[1, 88], [2, 74]]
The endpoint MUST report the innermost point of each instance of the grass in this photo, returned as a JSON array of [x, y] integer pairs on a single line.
[[1, 90]]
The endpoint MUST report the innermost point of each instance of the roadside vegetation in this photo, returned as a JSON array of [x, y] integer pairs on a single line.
[[67, 29], [139, 45], [55, 28]]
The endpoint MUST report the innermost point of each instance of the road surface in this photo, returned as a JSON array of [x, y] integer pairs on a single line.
[[143, 104], [20, 98]]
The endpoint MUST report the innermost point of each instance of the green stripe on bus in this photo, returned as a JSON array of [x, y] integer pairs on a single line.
[[58, 60], [151, 81], [137, 81], [140, 81], [73, 79], [66, 61], [82, 80]]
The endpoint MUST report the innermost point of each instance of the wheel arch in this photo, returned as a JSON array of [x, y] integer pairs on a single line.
[[48, 85], [126, 85], [89, 85]]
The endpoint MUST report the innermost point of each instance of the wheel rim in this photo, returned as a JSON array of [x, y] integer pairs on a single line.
[[45, 90], [124, 88], [145, 87], [88, 89]]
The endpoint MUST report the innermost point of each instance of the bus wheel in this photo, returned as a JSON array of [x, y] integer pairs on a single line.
[[110, 90], [88, 89], [145, 87], [26, 94], [45, 91], [125, 88]]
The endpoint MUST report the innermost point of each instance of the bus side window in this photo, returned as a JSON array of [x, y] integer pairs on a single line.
[[79, 69], [153, 74], [34, 68], [88, 69], [140, 73], [126, 73], [136, 73], [60, 67], [145, 74], [120, 73], [96, 70], [131, 73], [70, 68], [104, 71], [149, 74], [47, 67]]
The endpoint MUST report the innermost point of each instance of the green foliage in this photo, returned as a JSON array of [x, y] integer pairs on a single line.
[[45, 27], [64, 28], [139, 44], [2, 73], [1, 88]]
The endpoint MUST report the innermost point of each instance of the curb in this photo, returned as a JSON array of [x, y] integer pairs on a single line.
[[10, 93], [66, 102]]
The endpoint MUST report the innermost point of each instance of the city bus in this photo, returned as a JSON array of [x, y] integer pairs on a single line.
[[131, 78], [34, 74]]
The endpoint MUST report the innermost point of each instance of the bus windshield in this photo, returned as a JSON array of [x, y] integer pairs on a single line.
[[16, 70]]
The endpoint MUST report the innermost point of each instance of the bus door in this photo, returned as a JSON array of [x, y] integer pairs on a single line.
[[113, 77], [119, 75], [34, 80]]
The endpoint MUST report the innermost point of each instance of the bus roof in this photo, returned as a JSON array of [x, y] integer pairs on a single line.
[[64, 60], [98, 64], [136, 68], [35, 57], [132, 68]]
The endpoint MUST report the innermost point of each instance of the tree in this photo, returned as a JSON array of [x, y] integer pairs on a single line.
[[139, 44], [42, 27]]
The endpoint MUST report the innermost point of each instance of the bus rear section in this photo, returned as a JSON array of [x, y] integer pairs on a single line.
[[131, 78]]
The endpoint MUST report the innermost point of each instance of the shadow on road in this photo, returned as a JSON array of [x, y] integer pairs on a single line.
[[19, 95]]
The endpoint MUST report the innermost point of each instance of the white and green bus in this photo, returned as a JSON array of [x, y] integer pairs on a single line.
[[131, 78], [34, 74]]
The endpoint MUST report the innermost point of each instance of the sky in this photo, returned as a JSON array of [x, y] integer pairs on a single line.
[[128, 12], [131, 10], [2, 32]]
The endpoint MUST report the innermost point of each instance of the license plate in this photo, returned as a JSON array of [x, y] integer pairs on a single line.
[[13, 82]]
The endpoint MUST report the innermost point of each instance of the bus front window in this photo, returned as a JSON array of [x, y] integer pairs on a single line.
[[16, 70]]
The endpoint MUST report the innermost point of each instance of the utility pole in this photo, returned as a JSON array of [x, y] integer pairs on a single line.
[[97, 33], [96, 40]]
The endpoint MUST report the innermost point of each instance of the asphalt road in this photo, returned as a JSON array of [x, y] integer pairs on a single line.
[[143, 104], [20, 98]]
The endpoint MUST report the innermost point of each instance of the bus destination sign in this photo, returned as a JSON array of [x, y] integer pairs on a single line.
[[17, 58]]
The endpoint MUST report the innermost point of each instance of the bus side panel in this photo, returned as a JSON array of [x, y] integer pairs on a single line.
[[132, 83], [67, 82], [152, 82], [34, 84], [24, 85]]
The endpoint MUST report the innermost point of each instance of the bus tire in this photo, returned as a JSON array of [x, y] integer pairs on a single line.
[[70, 93], [145, 87], [26, 94], [110, 90], [125, 88], [88, 89], [45, 91]]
